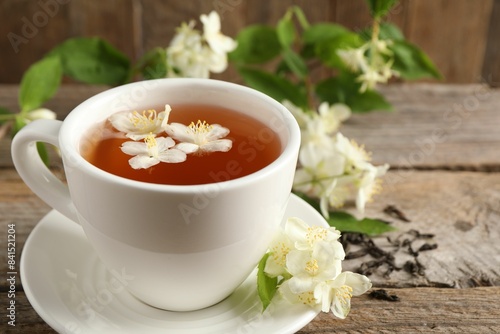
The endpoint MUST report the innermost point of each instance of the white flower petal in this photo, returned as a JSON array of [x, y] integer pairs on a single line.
[[134, 148], [217, 131], [143, 161], [40, 113], [164, 143], [188, 147], [172, 156], [179, 132], [221, 145]]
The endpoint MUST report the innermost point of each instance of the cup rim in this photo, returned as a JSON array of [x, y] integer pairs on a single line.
[[289, 152]]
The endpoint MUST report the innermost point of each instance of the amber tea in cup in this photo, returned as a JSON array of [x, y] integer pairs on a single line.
[[255, 146]]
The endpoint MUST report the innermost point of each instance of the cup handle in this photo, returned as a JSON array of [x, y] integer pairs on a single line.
[[33, 171]]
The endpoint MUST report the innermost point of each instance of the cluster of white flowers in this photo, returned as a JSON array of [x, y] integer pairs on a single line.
[[375, 69], [332, 167], [149, 150], [308, 259], [194, 54]]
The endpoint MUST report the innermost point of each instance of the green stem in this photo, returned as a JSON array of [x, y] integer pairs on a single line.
[[7, 117], [301, 17], [374, 40]]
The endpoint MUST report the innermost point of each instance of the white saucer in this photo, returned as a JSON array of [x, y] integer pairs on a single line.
[[70, 289]]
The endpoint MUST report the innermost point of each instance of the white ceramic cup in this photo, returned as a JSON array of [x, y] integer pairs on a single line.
[[172, 261]]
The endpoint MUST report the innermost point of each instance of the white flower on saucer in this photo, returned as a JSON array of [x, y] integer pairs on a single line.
[[218, 42], [336, 294], [152, 151], [305, 237], [309, 268], [137, 125], [200, 137], [279, 249]]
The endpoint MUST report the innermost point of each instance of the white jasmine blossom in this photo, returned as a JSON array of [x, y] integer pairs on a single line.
[[200, 137], [193, 54], [333, 115], [309, 267], [152, 151], [336, 170], [186, 54], [279, 249], [305, 237], [218, 42], [343, 288], [40, 113], [137, 125], [354, 59]]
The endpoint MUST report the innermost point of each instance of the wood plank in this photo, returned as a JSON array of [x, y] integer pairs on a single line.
[[110, 20], [491, 63], [433, 126], [461, 210], [29, 29], [457, 47], [420, 310]]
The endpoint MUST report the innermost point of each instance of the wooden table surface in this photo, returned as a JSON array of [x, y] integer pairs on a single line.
[[443, 190]]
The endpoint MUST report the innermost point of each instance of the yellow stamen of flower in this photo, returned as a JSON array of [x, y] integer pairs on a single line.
[[367, 156], [307, 298], [279, 253], [375, 189], [344, 293], [312, 267], [315, 233], [151, 144], [145, 120], [200, 127]]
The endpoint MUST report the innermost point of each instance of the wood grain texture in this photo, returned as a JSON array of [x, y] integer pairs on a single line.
[[433, 126], [460, 209], [453, 34], [464, 48], [491, 64]]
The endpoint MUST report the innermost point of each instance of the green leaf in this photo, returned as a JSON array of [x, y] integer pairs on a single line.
[[411, 62], [286, 30], [153, 64], [326, 50], [390, 31], [319, 33], [256, 44], [39, 83], [93, 61], [345, 222], [295, 63], [380, 8], [275, 86], [387, 31], [301, 17], [345, 89], [266, 286], [323, 31]]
